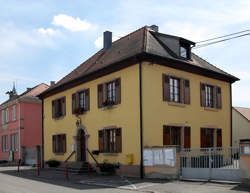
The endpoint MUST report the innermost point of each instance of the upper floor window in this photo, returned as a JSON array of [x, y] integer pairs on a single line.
[[80, 102], [109, 93], [7, 115], [110, 140], [174, 85], [176, 89], [14, 113], [210, 96], [59, 107], [185, 50], [3, 117]]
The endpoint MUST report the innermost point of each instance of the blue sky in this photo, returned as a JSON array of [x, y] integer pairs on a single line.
[[45, 40]]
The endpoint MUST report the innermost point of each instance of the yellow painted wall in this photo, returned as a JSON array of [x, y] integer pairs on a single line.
[[241, 128], [124, 115], [157, 112]]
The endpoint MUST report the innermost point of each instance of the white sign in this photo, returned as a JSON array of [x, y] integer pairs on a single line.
[[72, 147], [148, 157], [158, 157]]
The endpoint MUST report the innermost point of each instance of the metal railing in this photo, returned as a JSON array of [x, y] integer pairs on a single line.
[[225, 157], [72, 153]]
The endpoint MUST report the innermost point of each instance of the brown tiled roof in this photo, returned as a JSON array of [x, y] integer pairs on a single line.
[[245, 112], [31, 92], [143, 40]]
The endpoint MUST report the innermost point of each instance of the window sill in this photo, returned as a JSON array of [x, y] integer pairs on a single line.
[[176, 104], [109, 107], [211, 109], [110, 154], [59, 118], [59, 153]]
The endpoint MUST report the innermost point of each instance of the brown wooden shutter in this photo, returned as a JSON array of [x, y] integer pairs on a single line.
[[219, 138], [203, 137], [54, 143], [53, 109], [218, 98], [166, 88], [182, 90], [119, 140], [101, 140], [63, 103], [186, 92], [63, 143], [77, 101], [87, 95], [118, 91], [100, 95], [166, 135], [203, 95], [73, 103], [187, 137]]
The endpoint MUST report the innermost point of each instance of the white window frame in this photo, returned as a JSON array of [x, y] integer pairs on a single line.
[[7, 115], [14, 113], [3, 117]]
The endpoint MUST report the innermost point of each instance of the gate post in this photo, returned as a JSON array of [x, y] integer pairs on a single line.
[[210, 163], [245, 161]]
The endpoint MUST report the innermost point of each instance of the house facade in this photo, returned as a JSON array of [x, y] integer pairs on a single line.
[[241, 124], [21, 123], [146, 89]]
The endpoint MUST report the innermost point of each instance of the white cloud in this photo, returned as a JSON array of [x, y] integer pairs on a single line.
[[70, 23], [99, 40], [49, 31]]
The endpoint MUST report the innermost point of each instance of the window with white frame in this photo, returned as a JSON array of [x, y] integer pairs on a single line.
[[7, 115], [14, 113], [4, 143], [3, 117], [14, 142]]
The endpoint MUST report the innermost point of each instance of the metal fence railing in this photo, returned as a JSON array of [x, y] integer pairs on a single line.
[[225, 157]]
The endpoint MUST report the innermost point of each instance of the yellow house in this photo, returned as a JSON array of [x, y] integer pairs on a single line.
[[145, 89]]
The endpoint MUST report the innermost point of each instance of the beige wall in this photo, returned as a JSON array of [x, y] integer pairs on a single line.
[[157, 112], [241, 127], [124, 115]]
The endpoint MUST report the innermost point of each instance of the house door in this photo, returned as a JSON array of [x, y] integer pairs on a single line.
[[81, 146]]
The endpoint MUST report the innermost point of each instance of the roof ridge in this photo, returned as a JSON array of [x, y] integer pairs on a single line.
[[144, 27]]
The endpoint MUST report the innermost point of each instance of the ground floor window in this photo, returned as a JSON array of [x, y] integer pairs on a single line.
[[59, 143], [4, 143], [14, 142], [211, 137], [110, 140], [172, 135]]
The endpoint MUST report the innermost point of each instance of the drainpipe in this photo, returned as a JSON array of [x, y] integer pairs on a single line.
[[141, 122], [231, 118], [42, 151]]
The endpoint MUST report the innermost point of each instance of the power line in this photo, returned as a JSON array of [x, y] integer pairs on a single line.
[[223, 36], [223, 40]]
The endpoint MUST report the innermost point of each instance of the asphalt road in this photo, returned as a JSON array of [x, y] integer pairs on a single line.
[[51, 181]]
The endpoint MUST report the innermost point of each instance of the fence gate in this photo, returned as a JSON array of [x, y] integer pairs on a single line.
[[211, 163]]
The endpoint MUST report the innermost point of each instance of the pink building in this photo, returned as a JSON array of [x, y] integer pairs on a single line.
[[21, 124]]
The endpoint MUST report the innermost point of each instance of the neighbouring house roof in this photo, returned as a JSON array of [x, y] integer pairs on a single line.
[[143, 42], [245, 112], [29, 93]]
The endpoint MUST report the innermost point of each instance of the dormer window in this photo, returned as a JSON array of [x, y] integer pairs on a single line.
[[184, 50]]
